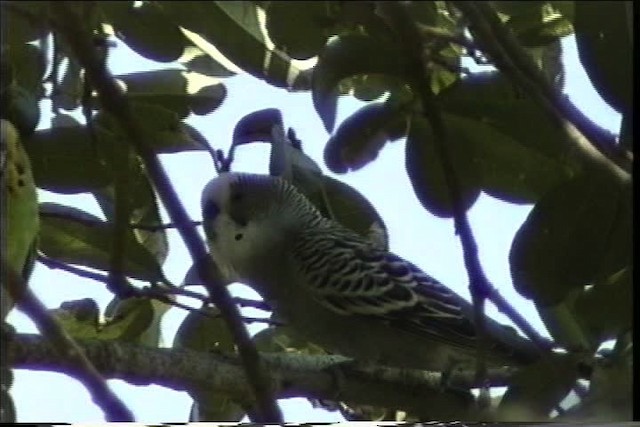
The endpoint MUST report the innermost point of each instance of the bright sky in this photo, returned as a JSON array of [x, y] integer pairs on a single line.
[[415, 234]]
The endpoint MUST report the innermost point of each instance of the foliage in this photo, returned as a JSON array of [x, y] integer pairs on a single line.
[[572, 256]]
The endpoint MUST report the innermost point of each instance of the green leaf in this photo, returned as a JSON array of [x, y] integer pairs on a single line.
[[70, 88], [79, 318], [19, 214], [424, 167], [425, 12], [27, 68], [213, 406], [350, 208], [135, 319], [175, 90], [299, 28], [18, 27], [605, 47], [564, 242], [508, 170], [162, 129], [549, 59], [611, 391], [73, 236], [341, 202], [65, 160], [20, 107], [541, 24], [144, 212], [256, 126], [64, 120], [360, 137], [283, 339], [589, 316], [537, 388], [348, 56], [142, 215], [146, 30], [366, 87], [606, 310], [234, 29], [491, 99], [205, 330], [271, 340], [194, 59]]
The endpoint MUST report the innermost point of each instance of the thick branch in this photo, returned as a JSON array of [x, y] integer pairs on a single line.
[[68, 24], [292, 375]]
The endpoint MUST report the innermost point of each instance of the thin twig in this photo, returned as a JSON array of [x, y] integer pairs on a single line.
[[114, 409], [112, 100], [158, 227], [186, 293], [55, 264], [245, 302], [161, 293]]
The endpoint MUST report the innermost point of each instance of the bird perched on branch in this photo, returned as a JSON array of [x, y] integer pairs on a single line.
[[339, 290]]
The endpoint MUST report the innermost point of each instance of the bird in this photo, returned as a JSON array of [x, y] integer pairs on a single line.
[[339, 290], [19, 213]]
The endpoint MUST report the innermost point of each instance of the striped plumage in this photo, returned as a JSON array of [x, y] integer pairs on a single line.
[[337, 289]]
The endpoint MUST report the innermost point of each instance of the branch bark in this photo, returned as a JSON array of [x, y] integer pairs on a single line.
[[293, 375]]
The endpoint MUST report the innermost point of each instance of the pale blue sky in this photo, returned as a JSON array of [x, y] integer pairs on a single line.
[[415, 234]]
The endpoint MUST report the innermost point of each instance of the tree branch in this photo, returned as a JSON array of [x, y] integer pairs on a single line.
[[62, 346], [293, 375], [479, 285], [508, 56], [161, 293], [66, 21]]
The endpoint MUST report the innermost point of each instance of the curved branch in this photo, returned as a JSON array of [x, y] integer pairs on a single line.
[[67, 22]]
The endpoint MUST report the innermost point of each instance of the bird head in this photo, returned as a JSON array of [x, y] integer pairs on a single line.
[[249, 217]]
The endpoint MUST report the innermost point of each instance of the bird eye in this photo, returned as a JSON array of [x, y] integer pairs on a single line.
[[210, 210]]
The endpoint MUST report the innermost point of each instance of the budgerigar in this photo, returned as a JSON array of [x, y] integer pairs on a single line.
[[335, 288], [19, 216]]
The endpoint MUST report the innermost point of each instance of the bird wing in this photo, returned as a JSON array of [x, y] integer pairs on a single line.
[[349, 276]]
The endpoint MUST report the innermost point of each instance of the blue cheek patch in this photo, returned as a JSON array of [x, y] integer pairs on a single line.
[[210, 211]]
